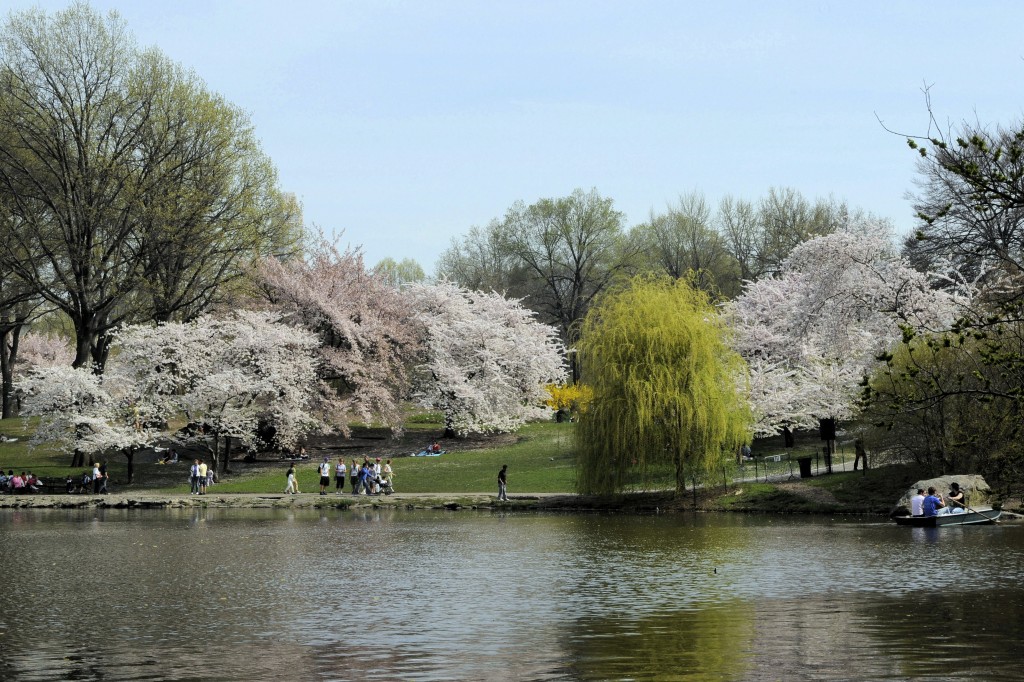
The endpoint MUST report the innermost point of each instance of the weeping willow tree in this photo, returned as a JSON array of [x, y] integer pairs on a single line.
[[666, 388]]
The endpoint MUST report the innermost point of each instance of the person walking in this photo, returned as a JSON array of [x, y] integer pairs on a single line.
[[293, 484], [97, 478], [104, 478], [503, 483], [325, 475], [202, 477]]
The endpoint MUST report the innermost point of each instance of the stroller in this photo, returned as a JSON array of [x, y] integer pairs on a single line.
[[384, 486]]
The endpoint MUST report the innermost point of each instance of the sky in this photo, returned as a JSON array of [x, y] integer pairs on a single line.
[[400, 125]]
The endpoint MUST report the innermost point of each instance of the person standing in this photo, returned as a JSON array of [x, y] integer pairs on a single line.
[[503, 483], [97, 478], [353, 478], [861, 454], [916, 503], [325, 475], [202, 477], [339, 476], [193, 475]]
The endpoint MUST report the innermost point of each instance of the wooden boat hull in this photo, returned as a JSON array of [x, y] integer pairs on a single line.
[[976, 515]]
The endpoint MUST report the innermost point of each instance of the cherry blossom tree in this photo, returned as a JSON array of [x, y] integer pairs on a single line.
[[811, 334], [364, 324], [488, 360], [226, 376], [37, 349], [85, 413]]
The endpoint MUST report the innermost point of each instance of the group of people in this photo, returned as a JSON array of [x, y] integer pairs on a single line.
[[98, 480], [368, 478], [200, 476], [26, 483], [19, 484], [933, 505]]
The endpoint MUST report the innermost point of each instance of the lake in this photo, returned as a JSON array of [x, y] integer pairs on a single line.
[[232, 594]]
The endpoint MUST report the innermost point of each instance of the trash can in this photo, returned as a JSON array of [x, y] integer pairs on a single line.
[[805, 466]]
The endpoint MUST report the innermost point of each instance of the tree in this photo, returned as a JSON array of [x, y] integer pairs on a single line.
[[955, 399], [134, 193], [761, 237], [666, 387], [683, 242], [812, 333], [81, 411], [940, 401], [572, 247], [364, 325], [399, 273], [226, 376], [487, 359], [970, 202], [482, 261]]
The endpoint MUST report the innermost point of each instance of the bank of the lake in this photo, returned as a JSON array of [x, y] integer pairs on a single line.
[[845, 494]]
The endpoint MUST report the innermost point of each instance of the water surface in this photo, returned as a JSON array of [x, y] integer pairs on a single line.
[[396, 595]]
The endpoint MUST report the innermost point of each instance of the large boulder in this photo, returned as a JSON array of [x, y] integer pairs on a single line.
[[976, 491]]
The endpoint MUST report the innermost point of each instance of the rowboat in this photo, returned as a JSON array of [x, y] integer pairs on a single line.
[[973, 515]]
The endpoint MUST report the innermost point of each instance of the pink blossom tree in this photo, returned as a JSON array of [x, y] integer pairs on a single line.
[[364, 324], [487, 359]]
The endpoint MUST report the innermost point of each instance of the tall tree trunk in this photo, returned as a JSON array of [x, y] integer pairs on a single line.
[[77, 459], [215, 453], [6, 370], [129, 453], [227, 455]]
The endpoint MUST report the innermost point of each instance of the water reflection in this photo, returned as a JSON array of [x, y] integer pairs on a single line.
[[389, 594]]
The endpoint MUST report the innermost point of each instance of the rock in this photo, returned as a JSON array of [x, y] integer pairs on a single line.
[[976, 490]]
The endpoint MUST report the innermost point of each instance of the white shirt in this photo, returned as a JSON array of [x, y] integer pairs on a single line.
[[916, 505]]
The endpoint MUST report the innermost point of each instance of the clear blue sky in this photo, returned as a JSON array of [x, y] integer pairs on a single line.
[[404, 124]]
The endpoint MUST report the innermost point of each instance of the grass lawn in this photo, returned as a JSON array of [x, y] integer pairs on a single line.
[[540, 460]]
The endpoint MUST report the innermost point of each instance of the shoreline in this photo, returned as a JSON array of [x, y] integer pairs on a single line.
[[634, 503], [144, 500], [631, 503]]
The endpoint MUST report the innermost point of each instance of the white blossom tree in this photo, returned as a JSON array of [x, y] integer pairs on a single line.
[[487, 359], [86, 413], [812, 333], [226, 376]]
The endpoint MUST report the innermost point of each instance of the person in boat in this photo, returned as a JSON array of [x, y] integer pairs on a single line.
[[932, 503], [956, 499], [916, 503]]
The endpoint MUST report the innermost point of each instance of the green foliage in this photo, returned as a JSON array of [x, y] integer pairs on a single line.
[[666, 387], [952, 402]]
